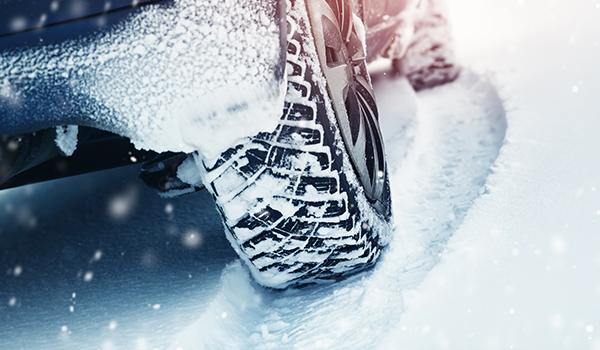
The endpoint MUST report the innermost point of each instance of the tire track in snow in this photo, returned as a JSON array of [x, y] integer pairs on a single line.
[[441, 144]]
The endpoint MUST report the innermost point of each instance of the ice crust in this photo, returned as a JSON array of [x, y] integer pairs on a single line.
[[197, 75]]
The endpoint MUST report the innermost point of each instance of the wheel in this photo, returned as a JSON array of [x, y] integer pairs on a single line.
[[309, 202]]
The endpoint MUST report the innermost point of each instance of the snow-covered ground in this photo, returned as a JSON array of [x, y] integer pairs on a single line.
[[496, 203], [522, 271]]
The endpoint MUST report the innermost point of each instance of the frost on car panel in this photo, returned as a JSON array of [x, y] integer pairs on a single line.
[[166, 76]]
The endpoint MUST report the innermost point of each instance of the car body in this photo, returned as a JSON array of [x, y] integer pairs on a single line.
[[53, 59]]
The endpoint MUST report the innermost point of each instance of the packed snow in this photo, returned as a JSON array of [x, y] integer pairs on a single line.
[[495, 183]]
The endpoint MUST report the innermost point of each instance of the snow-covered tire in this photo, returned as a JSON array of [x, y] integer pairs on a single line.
[[293, 206]]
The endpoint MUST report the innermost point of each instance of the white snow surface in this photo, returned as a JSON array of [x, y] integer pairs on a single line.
[[521, 272], [197, 75]]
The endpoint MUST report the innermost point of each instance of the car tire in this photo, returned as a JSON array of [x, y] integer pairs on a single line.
[[293, 203]]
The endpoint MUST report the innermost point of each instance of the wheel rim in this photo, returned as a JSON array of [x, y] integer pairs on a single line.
[[343, 61]]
